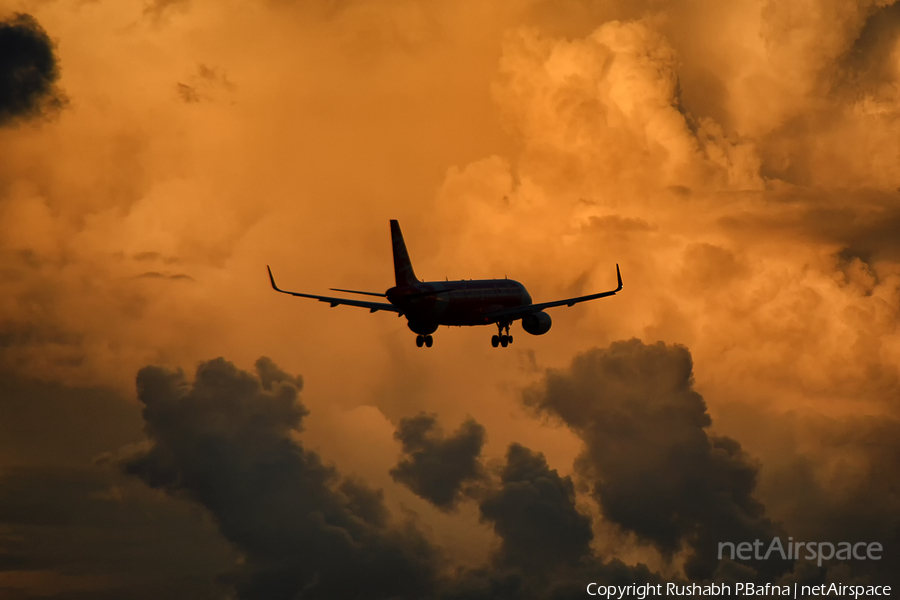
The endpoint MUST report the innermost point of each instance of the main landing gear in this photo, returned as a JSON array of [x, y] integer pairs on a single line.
[[425, 340], [503, 339]]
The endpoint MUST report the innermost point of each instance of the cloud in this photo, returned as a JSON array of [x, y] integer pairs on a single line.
[[227, 441], [606, 108], [158, 10], [73, 527], [435, 467], [867, 64], [653, 466], [51, 424], [88, 532], [833, 479], [545, 550], [204, 85], [28, 70], [534, 513]]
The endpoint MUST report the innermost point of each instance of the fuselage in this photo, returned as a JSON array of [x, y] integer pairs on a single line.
[[429, 304]]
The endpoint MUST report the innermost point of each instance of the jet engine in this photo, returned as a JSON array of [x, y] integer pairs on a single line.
[[422, 327], [537, 323]]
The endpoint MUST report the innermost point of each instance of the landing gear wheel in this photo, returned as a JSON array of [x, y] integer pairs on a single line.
[[495, 341], [429, 341], [504, 340], [420, 339], [510, 338]]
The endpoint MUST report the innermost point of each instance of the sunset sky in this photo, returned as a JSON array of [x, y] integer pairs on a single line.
[[739, 160]]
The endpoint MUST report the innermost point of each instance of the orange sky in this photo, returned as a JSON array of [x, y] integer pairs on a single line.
[[738, 160]]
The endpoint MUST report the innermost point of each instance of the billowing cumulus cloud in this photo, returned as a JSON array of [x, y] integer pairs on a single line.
[[436, 467], [534, 512], [654, 467], [29, 70], [764, 240], [226, 441], [545, 549], [606, 108]]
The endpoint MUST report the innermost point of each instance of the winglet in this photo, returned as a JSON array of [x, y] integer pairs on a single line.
[[618, 275], [272, 279]]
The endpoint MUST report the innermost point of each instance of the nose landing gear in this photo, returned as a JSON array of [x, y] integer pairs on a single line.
[[502, 339], [425, 340]]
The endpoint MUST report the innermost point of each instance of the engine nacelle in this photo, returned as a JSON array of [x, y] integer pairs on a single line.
[[537, 323], [422, 327]]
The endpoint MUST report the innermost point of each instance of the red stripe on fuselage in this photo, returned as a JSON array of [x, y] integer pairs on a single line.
[[457, 302]]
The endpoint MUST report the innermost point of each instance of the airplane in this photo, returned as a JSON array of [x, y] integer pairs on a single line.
[[467, 302]]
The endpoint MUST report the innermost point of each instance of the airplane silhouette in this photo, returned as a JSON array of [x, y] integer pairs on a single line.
[[430, 304]]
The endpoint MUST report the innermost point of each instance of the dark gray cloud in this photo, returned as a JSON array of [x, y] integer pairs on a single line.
[[270, 375], [52, 424], [508, 583], [436, 467], [868, 61], [846, 489], [226, 441], [100, 535], [534, 513], [28, 70], [654, 467], [545, 550], [864, 222], [71, 527]]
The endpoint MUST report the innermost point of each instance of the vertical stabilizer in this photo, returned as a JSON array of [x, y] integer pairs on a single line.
[[403, 270]]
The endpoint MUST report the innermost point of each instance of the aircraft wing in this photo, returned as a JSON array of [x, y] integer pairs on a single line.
[[521, 311], [372, 306]]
